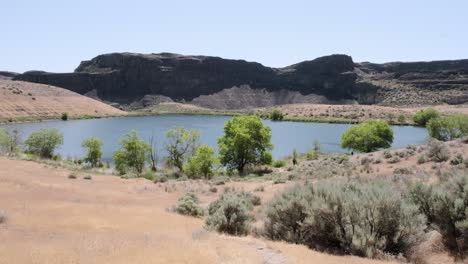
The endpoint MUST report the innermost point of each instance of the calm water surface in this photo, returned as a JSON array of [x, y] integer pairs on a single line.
[[285, 135]]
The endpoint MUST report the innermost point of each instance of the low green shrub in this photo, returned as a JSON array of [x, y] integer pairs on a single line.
[[311, 155], [276, 115], [394, 159], [3, 217], [230, 214], [188, 205], [364, 219], [279, 163], [64, 116]]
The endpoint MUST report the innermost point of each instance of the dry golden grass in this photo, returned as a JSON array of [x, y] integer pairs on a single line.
[[53, 219], [37, 101]]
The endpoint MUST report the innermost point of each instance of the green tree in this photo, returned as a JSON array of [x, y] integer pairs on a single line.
[[246, 141], [202, 163], [422, 117], [44, 142], [132, 155], [94, 150], [368, 136], [449, 127], [181, 145]]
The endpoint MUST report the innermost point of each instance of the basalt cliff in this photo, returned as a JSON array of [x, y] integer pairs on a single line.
[[215, 82]]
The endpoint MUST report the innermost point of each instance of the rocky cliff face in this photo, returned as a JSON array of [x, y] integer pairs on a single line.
[[129, 77], [125, 77]]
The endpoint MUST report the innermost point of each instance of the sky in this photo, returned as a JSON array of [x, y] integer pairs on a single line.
[[56, 35]]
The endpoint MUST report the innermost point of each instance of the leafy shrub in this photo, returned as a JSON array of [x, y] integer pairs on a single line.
[[402, 171], [276, 115], [44, 142], [230, 214], [449, 127], [87, 177], [259, 189], [161, 179], [446, 206], [94, 150], [213, 189], [358, 218], [437, 151], [188, 205], [422, 117], [401, 118], [132, 154], [368, 136], [202, 163], [256, 200], [279, 163], [72, 176], [246, 141], [64, 116]]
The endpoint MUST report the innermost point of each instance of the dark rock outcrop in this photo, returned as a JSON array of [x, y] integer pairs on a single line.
[[127, 78], [6, 75]]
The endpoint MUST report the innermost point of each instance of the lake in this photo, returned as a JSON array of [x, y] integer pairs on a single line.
[[285, 135]]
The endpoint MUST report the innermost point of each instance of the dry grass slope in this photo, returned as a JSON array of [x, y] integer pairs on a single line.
[[23, 100]]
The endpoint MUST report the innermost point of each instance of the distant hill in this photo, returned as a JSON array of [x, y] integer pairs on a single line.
[[211, 81], [37, 101]]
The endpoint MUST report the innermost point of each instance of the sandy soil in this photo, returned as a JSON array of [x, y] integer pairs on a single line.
[[37, 101], [53, 219]]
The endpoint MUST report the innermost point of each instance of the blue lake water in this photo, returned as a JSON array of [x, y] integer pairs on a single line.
[[285, 135]]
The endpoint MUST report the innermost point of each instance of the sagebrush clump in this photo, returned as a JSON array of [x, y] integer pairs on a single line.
[[230, 214], [188, 204], [364, 219], [446, 207]]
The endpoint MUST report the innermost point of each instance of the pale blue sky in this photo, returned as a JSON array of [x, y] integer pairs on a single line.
[[55, 35]]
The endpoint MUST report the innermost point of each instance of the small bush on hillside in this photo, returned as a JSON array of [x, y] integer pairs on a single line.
[[202, 163], [457, 160], [276, 115], [394, 159], [364, 219], [446, 206], [437, 151], [44, 142], [230, 214], [188, 205], [279, 163], [64, 116], [421, 159], [422, 117], [387, 154]]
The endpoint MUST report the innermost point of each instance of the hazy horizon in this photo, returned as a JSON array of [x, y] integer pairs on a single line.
[[56, 36]]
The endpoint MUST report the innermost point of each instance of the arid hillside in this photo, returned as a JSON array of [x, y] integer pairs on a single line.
[[26, 101]]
